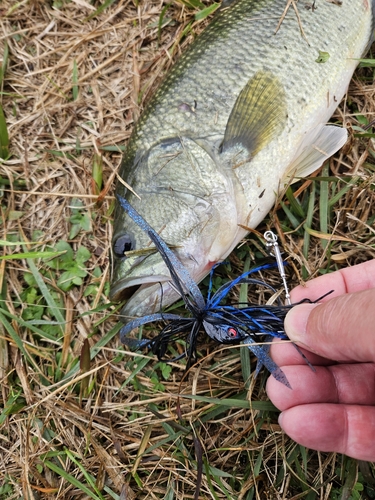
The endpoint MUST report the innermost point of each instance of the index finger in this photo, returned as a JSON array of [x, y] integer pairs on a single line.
[[347, 280]]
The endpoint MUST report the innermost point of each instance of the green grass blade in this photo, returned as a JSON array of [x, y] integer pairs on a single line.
[[304, 456], [203, 13], [97, 172], [170, 492], [85, 365], [295, 206], [258, 464], [11, 407], [31, 255], [342, 191], [219, 482], [72, 480], [351, 472], [46, 293], [100, 9], [141, 363], [308, 223], [84, 472], [4, 64], [193, 4], [32, 325], [75, 88], [214, 413], [324, 205], [294, 221], [4, 137], [366, 63], [18, 341], [161, 19], [208, 477], [219, 473], [95, 349], [172, 438], [234, 403]]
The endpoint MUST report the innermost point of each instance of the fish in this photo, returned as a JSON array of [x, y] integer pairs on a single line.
[[242, 114]]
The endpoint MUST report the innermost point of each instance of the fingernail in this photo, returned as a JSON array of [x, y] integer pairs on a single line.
[[296, 322], [280, 420]]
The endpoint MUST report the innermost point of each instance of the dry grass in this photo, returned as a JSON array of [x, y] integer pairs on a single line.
[[116, 428]]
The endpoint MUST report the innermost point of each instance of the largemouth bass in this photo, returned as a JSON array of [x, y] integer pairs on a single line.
[[242, 113]]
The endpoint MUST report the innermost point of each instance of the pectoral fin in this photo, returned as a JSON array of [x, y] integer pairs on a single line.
[[258, 115], [315, 150]]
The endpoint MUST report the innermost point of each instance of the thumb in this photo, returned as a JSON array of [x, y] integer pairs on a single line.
[[341, 329]]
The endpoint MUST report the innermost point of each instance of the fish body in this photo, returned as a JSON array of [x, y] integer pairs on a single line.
[[242, 112]]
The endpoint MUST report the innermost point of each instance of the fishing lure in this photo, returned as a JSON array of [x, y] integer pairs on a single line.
[[225, 323]]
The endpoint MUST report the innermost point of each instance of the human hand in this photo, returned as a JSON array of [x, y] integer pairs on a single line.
[[332, 409]]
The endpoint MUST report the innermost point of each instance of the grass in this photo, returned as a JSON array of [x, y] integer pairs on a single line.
[[81, 417]]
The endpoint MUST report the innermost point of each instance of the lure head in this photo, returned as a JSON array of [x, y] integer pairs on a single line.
[[225, 334]]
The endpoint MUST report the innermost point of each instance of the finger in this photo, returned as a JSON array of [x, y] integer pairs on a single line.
[[352, 384], [347, 280], [285, 353], [330, 427], [341, 329]]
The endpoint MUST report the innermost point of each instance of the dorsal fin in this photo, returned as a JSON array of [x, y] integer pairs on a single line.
[[258, 115]]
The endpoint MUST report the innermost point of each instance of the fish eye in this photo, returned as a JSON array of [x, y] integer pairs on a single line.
[[123, 244]]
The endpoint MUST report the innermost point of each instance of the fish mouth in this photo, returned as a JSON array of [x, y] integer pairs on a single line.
[[144, 297], [148, 288], [146, 284], [141, 282], [126, 288]]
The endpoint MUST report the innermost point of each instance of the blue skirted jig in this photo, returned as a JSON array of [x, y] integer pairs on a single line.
[[227, 324]]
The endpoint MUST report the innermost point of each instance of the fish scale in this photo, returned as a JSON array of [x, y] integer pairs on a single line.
[[250, 45], [241, 113]]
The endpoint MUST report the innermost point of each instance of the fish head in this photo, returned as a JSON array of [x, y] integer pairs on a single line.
[[191, 205], [140, 275]]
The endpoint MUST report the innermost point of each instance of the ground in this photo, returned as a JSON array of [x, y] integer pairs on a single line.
[[82, 417]]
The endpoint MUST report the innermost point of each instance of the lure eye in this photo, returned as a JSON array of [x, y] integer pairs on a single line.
[[123, 244], [232, 333]]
